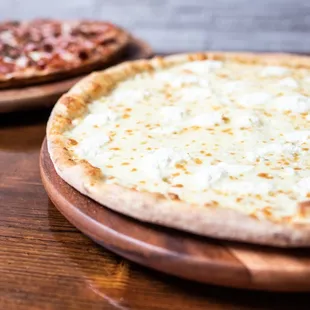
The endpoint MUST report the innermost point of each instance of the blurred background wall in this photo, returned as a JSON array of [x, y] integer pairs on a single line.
[[185, 25]]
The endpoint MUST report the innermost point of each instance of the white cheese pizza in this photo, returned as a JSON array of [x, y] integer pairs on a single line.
[[212, 143]]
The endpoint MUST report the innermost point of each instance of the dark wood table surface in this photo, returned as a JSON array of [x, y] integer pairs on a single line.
[[45, 263]]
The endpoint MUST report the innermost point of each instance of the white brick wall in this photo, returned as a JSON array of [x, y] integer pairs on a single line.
[[184, 25]]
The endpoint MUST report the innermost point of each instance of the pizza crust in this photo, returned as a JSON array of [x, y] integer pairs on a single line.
[[151, 207]]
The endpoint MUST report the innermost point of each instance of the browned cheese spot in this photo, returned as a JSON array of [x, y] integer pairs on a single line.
[[179, 185], [226, 119], [264, 175], [72, 142], [198, 161]]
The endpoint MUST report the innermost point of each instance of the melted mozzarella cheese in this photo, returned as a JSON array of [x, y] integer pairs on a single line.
[[293, 103], [274, 71], [173, 114], [298, 136], [207, 131], [178, 80], [99, 119], [158, 163], [7, 37], [193, 94], [36, 56], [246, 119], [207, 176], [92, 146], [288, 82], [202, 67], [21, 61], [206, 120], [254, 99], [248, 187], [234, 86], [303, 186]]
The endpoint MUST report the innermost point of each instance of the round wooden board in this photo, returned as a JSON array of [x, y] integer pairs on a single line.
[[175, 252], [44, 95]]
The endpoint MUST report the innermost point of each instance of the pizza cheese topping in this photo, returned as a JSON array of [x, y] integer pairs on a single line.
[[207, 132]]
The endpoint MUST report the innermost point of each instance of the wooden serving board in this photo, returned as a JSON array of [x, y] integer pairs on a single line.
[[45, 95], [175, 252]]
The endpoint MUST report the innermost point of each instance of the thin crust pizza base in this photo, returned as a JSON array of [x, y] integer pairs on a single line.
[[219, 222]]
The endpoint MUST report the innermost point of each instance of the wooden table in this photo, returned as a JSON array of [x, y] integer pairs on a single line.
[[45, 263]]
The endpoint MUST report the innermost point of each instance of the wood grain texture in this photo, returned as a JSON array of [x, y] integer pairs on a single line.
[[45, 263], [45, 95], [174, 252]]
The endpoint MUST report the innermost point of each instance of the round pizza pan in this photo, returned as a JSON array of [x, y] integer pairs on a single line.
[[178, 253], [45, 95]]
